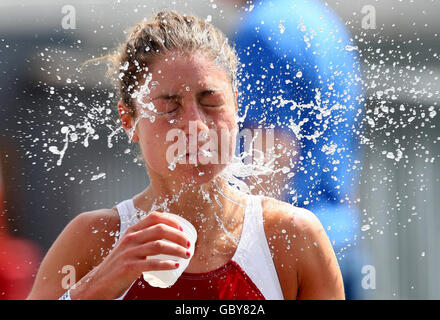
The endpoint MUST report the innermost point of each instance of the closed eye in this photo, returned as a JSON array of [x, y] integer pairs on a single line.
[[168, 105], [211, 99], [211, 105]]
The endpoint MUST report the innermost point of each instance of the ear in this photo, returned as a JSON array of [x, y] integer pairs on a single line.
[[127, 120]]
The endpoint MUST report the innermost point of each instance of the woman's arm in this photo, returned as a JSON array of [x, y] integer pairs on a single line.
[[304, 258], [106, 269], [82, 245]]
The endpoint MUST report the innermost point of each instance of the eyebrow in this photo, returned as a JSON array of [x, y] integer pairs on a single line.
[[200, 94]]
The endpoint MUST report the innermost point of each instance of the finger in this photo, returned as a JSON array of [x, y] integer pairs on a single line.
[[162, 231], [153, 218], [161, 247], [155, 265]]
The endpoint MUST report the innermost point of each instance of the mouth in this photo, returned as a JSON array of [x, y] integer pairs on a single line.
[[200, 154]]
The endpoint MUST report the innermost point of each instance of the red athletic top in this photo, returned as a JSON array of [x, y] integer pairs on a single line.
[[228, 282]]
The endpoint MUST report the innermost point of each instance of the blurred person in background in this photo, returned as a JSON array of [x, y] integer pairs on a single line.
[[19, 258], [300, 74]]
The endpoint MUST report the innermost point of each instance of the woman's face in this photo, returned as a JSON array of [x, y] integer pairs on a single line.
[[186, 118]]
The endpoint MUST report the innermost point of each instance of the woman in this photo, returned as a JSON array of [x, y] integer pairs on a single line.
[[178, 73]]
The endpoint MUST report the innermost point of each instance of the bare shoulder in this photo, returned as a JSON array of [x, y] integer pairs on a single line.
[[95, 230], [96, 221], [279, 214], [287, 227], [302, 254]]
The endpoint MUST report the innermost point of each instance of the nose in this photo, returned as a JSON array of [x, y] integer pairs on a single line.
[[193, 119]]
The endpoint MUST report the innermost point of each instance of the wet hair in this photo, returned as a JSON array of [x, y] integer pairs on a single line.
[[168, 32]]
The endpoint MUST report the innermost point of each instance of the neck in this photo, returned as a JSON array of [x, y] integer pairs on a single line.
[[212, 208]]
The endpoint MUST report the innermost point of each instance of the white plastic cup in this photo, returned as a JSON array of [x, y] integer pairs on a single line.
[[167, 278]]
